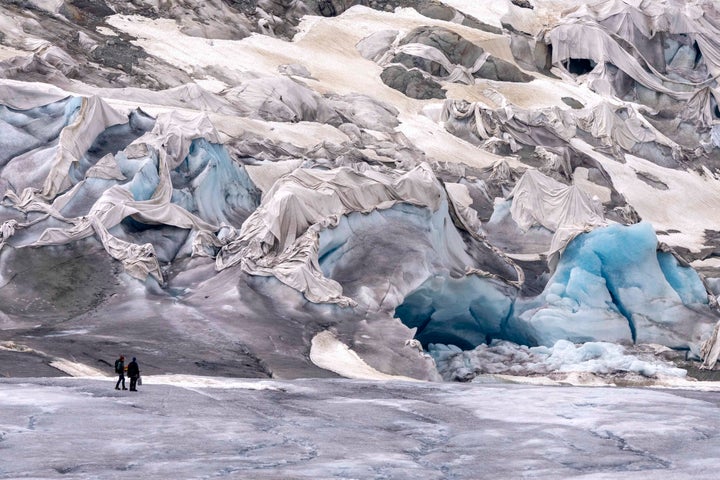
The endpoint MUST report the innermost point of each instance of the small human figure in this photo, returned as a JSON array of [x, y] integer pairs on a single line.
[[120, 370], [133, 372]]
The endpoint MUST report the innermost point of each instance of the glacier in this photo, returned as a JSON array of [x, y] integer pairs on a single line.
[[435, 224]]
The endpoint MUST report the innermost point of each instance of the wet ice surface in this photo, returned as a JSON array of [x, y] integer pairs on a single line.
[[261, 429]]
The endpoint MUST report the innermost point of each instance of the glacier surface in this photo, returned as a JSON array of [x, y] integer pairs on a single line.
[[313, 428]]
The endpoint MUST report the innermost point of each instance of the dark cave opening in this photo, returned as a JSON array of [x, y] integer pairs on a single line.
[[463, 312], [579, 66], [698, 54]]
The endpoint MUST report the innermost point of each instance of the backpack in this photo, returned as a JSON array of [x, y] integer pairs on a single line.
[[118, 366]]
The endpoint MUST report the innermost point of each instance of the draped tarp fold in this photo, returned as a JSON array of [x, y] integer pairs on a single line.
[[281, 237], [566, 210]]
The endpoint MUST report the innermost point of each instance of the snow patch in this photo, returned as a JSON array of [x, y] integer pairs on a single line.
[[194, 381], [328, 352], [75, 369]]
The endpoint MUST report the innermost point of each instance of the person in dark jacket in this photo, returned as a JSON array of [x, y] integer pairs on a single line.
[[120, 370], [133, 372]]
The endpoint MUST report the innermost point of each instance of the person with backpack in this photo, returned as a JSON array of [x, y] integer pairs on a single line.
[[133, 372], [120, 370]]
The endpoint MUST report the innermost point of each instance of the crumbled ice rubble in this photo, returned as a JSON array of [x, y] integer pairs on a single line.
[[507, 358]]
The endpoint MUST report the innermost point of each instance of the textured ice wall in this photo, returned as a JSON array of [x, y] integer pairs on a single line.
[[365, 123], [459, 311], [371, 256], [611, 285], [213, 186]]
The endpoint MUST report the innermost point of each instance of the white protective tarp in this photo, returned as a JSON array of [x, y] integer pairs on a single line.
[[701, 105], [620, 125], [710, 349], [510, 123], [264, 176], [466, 218], [279, 99], [170, 142], [457, 73], [94, 117], [616, 125], [582, 41], [563, 209], [25, 95], [630, 35], [281, 237]]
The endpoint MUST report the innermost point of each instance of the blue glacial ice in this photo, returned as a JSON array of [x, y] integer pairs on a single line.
[[345, 253], [611, 284], [24, 130], [684, 280], [207, 183], [30, 141], [463, 311], [365, 252], [219, 189]]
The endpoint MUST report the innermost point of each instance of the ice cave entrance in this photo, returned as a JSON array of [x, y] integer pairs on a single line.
[[464, 312], [611, 284], [580, 66]]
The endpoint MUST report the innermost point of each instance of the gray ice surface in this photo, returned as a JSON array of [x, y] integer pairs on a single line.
[[321, 428]]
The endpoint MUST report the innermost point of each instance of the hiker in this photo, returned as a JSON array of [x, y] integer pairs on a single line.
[[120, 370], [133, 372]]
